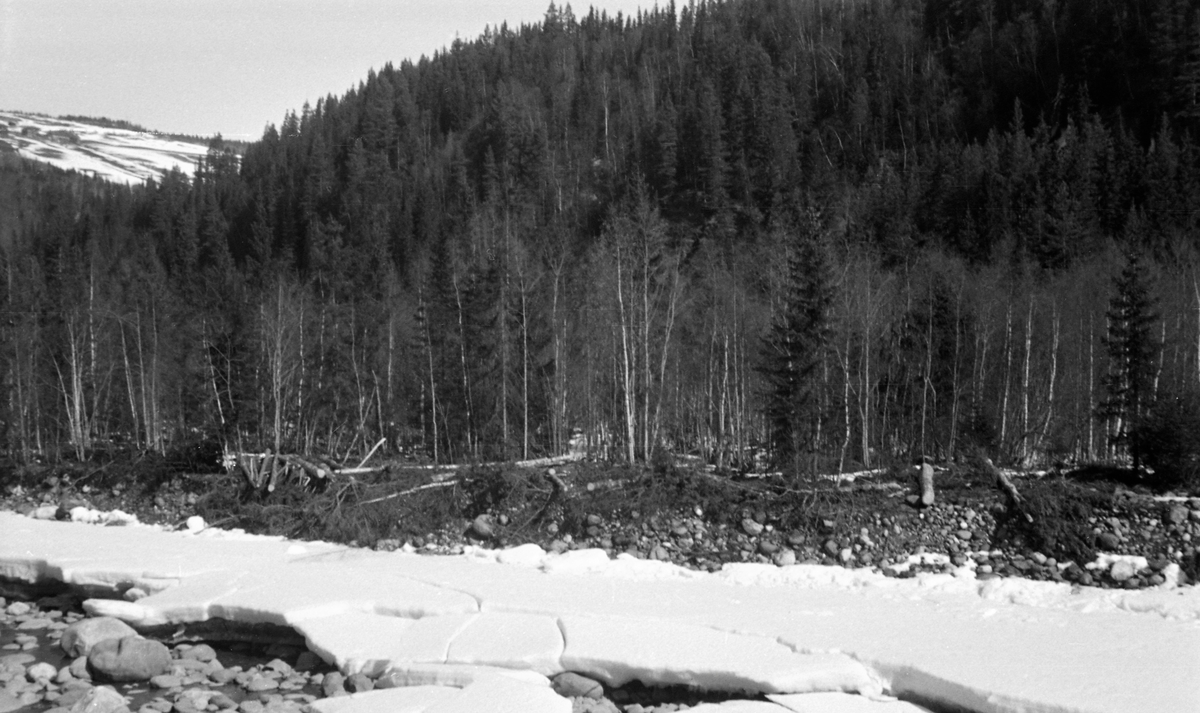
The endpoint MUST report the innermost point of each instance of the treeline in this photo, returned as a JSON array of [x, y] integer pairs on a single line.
[[589, 228]]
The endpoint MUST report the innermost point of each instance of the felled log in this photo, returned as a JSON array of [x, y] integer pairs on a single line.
[[1008, 488]]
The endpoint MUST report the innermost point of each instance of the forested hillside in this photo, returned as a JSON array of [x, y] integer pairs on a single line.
[[866, 229]]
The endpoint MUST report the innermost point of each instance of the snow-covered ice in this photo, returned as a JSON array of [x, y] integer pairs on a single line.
[[484, 630]]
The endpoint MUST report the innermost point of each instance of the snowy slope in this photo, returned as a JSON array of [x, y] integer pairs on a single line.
[[119, 155], [849, 636]]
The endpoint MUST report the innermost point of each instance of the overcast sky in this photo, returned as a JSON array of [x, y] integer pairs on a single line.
[[229, 66]]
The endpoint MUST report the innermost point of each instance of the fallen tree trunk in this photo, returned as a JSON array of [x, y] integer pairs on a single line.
[[1008, 488]]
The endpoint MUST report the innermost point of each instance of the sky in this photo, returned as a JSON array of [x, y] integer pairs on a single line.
[[203, 67]]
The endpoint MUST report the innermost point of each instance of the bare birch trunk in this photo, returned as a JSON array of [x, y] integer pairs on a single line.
[[926, 382], [1007, 371], [525, 373], [135, 420], [954, 393], [666, 349], [1054, 325], [433, 404], [626, 368], [462, 353], [1025, 431], [1091, 370]]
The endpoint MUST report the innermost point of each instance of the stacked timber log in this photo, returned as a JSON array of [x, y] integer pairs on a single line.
[[266, 471]]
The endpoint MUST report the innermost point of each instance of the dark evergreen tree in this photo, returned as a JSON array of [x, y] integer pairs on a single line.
[[792, 350], [1133, 356]]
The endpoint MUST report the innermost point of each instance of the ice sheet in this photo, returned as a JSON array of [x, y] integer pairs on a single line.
[[999, 645]]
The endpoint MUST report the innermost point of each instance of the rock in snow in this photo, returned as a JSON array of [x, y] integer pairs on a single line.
[[1122, 570]]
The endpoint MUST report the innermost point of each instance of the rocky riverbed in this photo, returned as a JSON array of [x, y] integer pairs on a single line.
[[54, 659], [694, 520], [697, 521]]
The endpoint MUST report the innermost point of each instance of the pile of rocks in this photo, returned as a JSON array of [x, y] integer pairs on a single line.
[[106, 664], [874, 526], [888, 531], [56, 496]]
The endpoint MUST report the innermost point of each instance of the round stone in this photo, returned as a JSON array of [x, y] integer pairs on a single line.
[[1122, 570], [573, 685], [199, 652], [482, 527], [785, 558], [751, 527], [41, 672], [334, 684], [131, 658], [261, 683], [79, 638], [166, 681]]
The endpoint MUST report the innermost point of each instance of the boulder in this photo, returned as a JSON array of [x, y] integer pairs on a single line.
[[166, 680], [1122, 570], [41, 672], [131, 658], [307, 661], [199, 652], [45, 512], [9, 702], [334, 684], [483, 527], [573, 685], [1108, 541], [1177, 515], [79, 669], [102, 699], [79, 638]]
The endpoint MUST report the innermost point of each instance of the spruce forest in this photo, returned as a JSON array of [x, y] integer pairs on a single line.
[[844, 231]]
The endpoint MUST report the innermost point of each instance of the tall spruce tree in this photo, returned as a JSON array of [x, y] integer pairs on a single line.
[[1133, 353], [792, 350]]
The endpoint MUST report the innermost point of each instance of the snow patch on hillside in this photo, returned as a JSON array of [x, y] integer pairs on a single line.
[[118, 155]]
